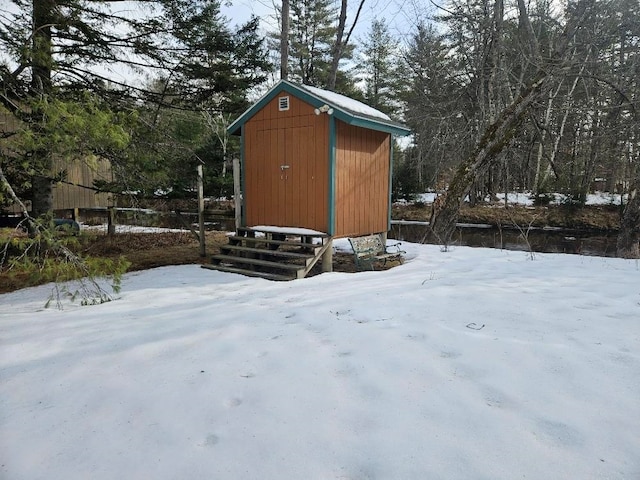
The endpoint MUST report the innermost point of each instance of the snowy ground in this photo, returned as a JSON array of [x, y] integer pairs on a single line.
[[471, 364], [131, 229], [524, 198]]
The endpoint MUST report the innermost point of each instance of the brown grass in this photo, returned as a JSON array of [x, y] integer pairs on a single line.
[[587, 218], [150, 250], [147, 250]]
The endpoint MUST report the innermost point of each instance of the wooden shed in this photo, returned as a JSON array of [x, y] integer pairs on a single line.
[[313, 160]]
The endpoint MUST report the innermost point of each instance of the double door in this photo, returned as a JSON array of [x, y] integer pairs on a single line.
[[285, 178]]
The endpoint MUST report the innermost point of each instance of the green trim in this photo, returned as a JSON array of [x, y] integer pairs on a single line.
[[350, 118], [243, 211], [276, 90], [391, 141], [332, 176], [382, 127]]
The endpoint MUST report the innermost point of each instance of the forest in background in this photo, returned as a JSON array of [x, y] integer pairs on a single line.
[[532, 96]]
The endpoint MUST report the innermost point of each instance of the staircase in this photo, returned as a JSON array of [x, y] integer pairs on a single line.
[[274, 256]]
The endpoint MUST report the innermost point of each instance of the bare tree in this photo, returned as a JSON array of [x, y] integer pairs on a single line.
[[628, 245], [499, 134], [340, 43], [217, 122]]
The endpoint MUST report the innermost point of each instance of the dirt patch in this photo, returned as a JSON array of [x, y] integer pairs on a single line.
[[146, 250], [150, 250]]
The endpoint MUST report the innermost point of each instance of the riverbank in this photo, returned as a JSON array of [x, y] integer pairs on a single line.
[[144, 251], [591, 217], [602, 213]]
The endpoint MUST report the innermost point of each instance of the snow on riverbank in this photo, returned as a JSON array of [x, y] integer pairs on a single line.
[[524, 198]]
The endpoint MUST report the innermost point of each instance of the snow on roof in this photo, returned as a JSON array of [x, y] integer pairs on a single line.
[[347, 103], [349, 110], [292, 230]]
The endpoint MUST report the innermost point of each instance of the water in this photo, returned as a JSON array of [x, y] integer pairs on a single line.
[[593, 243]]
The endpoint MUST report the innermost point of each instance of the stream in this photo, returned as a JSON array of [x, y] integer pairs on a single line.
[[546, 240]]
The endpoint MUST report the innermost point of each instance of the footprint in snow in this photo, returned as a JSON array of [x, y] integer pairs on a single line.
[[451, 355], [559, 433], [233, 402], [417, 336], [210, 441]]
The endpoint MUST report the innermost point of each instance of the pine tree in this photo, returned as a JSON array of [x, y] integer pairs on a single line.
[[313, 37], [61, 49], [379, 67], [312, 34], [435, 107]]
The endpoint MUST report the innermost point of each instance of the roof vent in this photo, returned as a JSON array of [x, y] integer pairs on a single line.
[[283, 103]]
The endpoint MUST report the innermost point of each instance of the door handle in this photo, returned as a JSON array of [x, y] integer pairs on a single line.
[[284, 167]]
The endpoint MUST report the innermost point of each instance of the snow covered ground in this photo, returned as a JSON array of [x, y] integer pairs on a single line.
[[524, 198], [131, 229], [468, 364]]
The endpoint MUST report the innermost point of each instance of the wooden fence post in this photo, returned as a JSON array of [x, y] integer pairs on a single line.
[[111, 220], [327, 258], [203, 248], [237, 192]]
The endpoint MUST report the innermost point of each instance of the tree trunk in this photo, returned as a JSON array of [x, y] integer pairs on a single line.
[[628, 245], [42, 193], [527, 32], [41, 44], [338, 48], [498, 135], [336, 52], [32, 226], [284, 42], [42, 196]]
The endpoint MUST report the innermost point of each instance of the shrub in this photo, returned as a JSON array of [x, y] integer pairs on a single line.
[[49, 256]]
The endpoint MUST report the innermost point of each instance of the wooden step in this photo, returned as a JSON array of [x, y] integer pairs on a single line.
[[252, 240], [254, 261], [250, 273], [277, 253], [261, 256]]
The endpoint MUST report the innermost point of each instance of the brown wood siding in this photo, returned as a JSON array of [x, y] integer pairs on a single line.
[[78, 174], [81, 175], [362, 181], [298, 138]]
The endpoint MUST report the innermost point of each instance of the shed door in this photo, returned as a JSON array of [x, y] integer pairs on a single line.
[[288, 170]]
